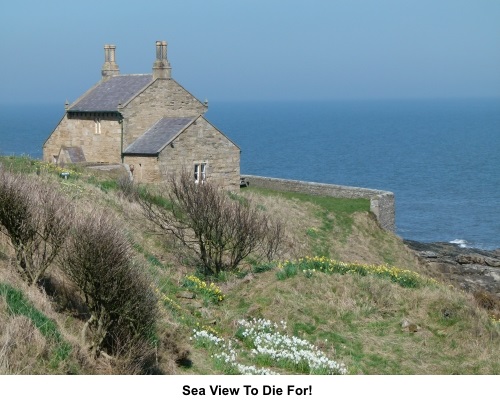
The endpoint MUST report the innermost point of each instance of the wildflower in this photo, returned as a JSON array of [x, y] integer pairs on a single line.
[[212, 291]]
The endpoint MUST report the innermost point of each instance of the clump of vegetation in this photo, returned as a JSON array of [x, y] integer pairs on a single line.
[[220, 230], [36, 218], [268, 346], [309, 265], [62, 171], [122, 306], [490, 302], [210, 291]]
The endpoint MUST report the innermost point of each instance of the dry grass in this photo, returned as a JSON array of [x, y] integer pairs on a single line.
[[363, 242], [21, 346], [372, 325], [296, 217], [376, 327]]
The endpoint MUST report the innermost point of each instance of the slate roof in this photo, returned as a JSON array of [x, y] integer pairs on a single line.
[[158, 136], [107, 95]]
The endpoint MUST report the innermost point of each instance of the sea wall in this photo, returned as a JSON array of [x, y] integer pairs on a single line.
[[381, 202]]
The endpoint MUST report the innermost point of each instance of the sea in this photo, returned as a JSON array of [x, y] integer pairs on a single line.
[[441, 158]]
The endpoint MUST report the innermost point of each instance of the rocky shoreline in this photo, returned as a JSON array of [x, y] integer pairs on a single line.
[[467, 268]]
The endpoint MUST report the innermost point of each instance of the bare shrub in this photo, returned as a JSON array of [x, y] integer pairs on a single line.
[[275, 235], [122, 306], [36, 218], [64, 295], [222, 231], [127, 188]]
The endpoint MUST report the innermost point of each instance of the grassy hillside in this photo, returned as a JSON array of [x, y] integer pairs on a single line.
[[342, 295]]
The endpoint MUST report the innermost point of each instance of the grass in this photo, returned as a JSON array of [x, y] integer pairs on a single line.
[[269, 349], [360, 319], [20, 164], [308, 266], [337, 205], [335, 215], [18, 305], [353, 309]]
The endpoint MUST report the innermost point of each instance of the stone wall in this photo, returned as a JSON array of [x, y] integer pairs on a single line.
[[146, 169], [381, 202]]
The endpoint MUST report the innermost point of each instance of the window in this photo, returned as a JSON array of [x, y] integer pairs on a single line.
[[200, 172], [97, 123]]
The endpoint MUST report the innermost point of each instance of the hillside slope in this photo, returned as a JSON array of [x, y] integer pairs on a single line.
[[366, 318]]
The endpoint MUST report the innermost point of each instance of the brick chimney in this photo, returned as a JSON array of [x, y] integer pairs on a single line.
[[110, 68], [161, 67]]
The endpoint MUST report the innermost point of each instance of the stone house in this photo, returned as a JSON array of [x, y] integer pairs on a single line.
[[147, 121]]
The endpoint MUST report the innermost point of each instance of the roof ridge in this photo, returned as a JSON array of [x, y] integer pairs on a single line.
[[134, 74], [108, 94]]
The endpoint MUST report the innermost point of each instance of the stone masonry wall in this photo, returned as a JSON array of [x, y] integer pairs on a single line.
[[163, 98], [381, 202], [81, 131], [146, 168], [203, 143]]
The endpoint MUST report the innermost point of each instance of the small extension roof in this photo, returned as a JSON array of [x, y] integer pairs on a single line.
[[75, 153], [107, 95], [158, 136]]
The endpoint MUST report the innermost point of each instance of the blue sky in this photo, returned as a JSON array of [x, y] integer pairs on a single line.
[[228, 50]]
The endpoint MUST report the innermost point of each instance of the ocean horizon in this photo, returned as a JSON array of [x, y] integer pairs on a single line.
[[439, 157]]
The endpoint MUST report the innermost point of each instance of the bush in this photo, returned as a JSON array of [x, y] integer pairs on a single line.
[[36, 218], [222, 231], [122, 306], [127, 188]]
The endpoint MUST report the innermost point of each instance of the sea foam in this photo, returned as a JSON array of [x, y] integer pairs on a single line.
[[460, 242]]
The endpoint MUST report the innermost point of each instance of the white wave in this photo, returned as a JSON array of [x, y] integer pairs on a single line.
[[460, 242]]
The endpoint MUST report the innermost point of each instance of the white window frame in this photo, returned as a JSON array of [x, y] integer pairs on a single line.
[[200, 172], [97, 122]]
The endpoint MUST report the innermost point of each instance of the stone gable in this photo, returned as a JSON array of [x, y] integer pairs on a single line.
[[99, 144], [163, 98], [203, 143]]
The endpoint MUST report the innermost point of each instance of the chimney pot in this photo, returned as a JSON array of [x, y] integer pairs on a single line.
[[161, 66], [110, 68]]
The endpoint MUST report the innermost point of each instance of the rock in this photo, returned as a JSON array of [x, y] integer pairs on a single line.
[[467, 268], [471, 259], [408, 326], [492, 262], [428, 254]]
